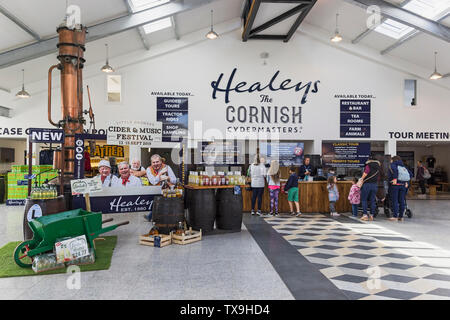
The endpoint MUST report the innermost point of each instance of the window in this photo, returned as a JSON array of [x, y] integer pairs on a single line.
[[410, 95], [430, 9], [139, 5], [158, 25], [114, 88]]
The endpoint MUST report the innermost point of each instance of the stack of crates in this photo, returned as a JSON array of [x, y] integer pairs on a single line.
[[16, 192]]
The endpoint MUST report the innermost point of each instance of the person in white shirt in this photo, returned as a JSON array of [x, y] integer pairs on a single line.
[[257, 172], [108, 180], [158, 172], [126, 178], [136, 169]]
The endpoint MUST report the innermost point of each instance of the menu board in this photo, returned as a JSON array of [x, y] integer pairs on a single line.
[[173, 113], [222, 152], [345, 154], [287, 153], [355, 118]]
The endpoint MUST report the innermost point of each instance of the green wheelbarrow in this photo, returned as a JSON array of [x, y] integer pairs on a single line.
[[69, 224]]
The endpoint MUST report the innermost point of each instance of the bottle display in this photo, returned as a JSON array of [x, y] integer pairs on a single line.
[[180, 229], [214, 180], [43, 193]]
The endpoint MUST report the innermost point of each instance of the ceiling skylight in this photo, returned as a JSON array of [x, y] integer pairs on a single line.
[[138, 5], [430, 9], [158, 25]]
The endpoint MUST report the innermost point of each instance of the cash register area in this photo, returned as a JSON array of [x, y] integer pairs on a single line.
[[272, 258]]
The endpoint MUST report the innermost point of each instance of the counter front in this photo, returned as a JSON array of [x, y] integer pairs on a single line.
[[313, 197]]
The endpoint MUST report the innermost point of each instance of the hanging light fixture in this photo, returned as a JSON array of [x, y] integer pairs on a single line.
[[435, 75], [23, 93], [212, 34], [107, 68], [337, 37]]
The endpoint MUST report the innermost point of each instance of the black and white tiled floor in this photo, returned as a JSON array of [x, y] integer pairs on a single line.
[[368, 261]]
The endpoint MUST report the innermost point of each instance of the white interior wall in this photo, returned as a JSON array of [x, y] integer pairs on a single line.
[[193, 68]]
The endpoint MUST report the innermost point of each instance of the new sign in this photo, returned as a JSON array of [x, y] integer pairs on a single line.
[[43, 135]]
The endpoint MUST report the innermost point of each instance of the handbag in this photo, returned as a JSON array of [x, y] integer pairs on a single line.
[[426, 174], [361, 180]]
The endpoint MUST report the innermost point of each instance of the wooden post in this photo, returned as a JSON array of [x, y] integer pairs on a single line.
[[88, 201]]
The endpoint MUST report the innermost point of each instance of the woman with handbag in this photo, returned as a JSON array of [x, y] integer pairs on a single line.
[[257, 173], [369, 188]]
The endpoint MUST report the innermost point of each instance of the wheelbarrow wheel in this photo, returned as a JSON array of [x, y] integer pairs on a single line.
[[21, 254]]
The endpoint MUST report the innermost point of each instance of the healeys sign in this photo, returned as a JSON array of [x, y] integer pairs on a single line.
[[267, 115]]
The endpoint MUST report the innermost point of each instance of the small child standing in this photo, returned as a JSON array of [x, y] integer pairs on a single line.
[[333, 195], [355, 196], [291, 188]]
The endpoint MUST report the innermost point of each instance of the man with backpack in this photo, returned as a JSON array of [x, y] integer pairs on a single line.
[[399, 177], [422, 175]]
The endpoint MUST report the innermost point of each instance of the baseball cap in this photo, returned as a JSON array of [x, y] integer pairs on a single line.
[[104, 163]]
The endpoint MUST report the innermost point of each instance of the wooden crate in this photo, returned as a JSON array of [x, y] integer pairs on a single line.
[[148, 240], [189, 236]]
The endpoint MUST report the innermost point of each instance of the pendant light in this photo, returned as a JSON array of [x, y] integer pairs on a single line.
[[337, 37], [435, 75], [23, 93], [107, 68], [212, 34]]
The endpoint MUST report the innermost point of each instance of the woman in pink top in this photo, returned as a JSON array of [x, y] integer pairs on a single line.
[[273, 181], [355, 197]]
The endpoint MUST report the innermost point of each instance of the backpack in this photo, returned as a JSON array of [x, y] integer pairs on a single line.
[[426, 173], [403, 174]]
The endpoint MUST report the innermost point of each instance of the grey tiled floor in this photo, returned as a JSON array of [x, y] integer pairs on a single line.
[[226, 266]]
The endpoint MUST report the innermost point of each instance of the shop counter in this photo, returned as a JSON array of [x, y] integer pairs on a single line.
[[208, 204], [313, 197]]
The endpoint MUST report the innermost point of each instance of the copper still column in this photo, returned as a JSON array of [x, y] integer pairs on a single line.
[[71, 61]]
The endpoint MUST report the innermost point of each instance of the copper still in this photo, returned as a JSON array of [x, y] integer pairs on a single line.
[[71, 48]]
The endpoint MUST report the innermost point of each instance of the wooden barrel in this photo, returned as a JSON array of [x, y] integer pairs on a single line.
[[229, 210], [167, 213], [38, 208], [201, 206]]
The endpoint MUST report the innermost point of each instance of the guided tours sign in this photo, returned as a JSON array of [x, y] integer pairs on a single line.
[[173, 113], [134, 133]]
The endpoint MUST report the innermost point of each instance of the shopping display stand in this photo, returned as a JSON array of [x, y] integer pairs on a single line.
[[35, 208]]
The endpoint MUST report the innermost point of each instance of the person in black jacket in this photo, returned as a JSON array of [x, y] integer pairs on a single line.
[[369, 188], [291, 188], [400, 184], [419, 176], [306, 169]]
